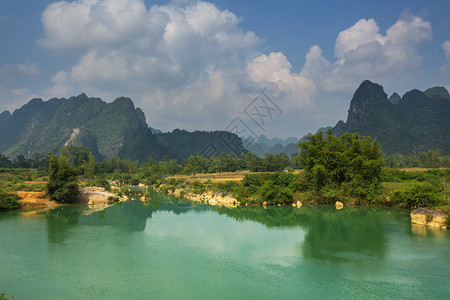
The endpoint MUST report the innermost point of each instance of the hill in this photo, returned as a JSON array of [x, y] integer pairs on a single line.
[[180, 144], [108, 129], [264, 145], [45, 126], [416, 122]]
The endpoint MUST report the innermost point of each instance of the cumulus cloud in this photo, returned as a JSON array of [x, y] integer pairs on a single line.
[[274, 72], [190, 65], [168, 57], [363, 52]]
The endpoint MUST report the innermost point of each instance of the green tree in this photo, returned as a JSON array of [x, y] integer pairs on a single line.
[[348, 164], [62, 185], [89, 166], [8, 201], [76, 155], [430, 159]]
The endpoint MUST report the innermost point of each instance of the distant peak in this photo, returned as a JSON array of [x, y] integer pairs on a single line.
[[82, 96], [437, 91], [395, 98]]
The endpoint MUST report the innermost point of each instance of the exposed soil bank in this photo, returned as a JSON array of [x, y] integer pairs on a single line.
[[429, 217]]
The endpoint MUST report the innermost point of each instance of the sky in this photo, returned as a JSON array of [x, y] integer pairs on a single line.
[[278, 68]]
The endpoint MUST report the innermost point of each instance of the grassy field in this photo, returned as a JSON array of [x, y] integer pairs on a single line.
[[14, 180], [214, 177]]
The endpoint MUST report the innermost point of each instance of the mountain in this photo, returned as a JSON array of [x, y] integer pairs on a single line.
[[45, 126], [4, 116], [262, 139], [108, 129], [418, 122], [180, 144], [394, 98], [263, 145]]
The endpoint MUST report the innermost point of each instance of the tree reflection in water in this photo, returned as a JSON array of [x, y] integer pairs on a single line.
[[330, 233]]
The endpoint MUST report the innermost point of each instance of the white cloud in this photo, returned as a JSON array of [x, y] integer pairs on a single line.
[[85, 23], [362, 52], [362, 33], [190, 65], [274, 73]]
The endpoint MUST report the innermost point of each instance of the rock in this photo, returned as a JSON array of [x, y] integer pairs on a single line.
[[299, 204], [212, 202], [339, 205], [91, 202], [294, 205], [429, 217], [264, 203]]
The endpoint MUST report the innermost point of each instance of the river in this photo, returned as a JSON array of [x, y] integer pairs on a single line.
[[168, 248]]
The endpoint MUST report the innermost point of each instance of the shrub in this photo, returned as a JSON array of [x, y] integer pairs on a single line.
[[9, 201], [102, 182], [418, 195]]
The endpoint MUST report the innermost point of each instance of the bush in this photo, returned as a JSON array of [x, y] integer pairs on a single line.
[[9, 201], [418, 195], [102, 182]]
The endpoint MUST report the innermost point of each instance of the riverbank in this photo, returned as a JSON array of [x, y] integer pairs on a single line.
[[409, 190], [91, 196]]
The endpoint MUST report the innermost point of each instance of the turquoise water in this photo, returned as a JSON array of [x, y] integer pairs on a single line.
[[167, 248]]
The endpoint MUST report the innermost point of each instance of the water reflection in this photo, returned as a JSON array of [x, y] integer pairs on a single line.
[[131, 215], [60, 220], [329, 234], [332, 235]]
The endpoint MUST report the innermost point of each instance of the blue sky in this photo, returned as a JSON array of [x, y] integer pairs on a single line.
[[198, 65]]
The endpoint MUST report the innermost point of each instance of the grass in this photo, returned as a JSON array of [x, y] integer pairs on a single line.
[[392, 186], [28, 180]]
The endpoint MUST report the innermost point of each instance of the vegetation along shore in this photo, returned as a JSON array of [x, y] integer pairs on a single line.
[[345, 170]]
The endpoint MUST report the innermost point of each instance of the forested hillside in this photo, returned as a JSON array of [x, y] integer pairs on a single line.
[[414, 123]]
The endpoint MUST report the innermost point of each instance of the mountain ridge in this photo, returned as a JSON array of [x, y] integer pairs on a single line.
[[418, 122], [110, 129]]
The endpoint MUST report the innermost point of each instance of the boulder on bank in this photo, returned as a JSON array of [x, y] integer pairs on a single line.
[[338, 205], [429, 217]]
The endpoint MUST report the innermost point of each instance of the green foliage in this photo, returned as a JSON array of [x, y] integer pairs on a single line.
[[273, 188], [417, 195], [100, 182], [430, 159], [89, 166], [76, 155], [62, 185], [198, 187], [348, 162], [9, 201], [3, 297]]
